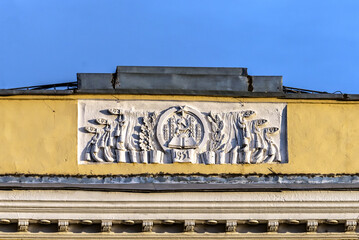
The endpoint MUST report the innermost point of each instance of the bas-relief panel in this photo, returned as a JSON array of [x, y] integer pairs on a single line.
[[165, 132]]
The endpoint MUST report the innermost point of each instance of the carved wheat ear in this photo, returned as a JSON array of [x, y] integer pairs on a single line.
[[211, 117], [218, 118], [220, 125], [154, 118]]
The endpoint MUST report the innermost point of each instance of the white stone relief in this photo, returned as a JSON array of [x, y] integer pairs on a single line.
[[170, 132], [216, 142]]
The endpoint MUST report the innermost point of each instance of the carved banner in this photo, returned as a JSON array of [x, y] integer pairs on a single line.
[[161, 132]]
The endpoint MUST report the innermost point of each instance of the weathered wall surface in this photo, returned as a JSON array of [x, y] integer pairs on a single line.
[[39, 136]]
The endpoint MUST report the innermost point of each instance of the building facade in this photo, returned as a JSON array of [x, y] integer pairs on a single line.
[[178, 153]]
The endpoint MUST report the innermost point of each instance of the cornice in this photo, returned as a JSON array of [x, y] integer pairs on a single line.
[[54, 214], [184, 236]]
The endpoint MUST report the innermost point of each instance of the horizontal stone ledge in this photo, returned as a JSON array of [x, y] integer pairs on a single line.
[[178, 226], [183, 183], [182, 236], [178, 187]]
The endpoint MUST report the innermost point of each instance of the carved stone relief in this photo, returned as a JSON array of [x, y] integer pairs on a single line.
[[169, 132]]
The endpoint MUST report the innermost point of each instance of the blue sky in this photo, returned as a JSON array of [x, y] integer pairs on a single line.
[[313, 44]]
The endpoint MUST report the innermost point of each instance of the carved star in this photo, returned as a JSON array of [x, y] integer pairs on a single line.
[[182, 110]]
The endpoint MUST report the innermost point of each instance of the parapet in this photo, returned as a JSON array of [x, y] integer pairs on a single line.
[[179, 80]]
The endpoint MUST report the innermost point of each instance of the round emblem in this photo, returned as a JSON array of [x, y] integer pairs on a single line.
[[182, 128]]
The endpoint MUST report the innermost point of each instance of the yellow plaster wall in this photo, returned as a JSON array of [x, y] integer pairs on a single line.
[[39, 136]]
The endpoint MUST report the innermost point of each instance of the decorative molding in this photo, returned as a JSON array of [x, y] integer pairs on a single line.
[[189, 225], [97, 206], [182, 134], [312, 225], [63, 225], [273, 226], [106, 225], [351, 225], [193, 210], [23, 225], [114, 211], [147, 226], [182, 236], [231, 225]]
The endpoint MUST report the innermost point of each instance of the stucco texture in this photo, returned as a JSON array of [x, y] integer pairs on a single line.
[[39, 136]]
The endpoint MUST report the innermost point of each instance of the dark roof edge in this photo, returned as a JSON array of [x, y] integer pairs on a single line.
[[341, 97], [10, 92]]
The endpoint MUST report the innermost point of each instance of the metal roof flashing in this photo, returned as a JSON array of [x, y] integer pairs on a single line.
[[201, 81], [179, 79]]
